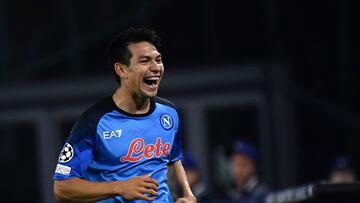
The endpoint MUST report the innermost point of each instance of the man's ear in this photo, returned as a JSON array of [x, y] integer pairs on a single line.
[[120, 70]]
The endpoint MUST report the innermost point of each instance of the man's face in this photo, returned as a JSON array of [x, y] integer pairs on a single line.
[[342, 176], [242, 168], [145, 70]]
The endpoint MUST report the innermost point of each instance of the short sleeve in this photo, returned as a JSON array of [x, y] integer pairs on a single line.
[[176, 151], [77, 152]]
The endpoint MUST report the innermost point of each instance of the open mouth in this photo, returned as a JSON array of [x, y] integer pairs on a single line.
[[152, 81]]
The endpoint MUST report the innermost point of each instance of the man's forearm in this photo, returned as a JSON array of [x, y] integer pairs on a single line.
[[79, 190], [182, 178]]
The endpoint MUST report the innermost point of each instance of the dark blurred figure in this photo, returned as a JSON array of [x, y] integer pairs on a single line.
[[192, 172], [243, 170], [342, 171]]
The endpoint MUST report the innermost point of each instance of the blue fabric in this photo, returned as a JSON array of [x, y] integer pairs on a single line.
[[189, 161], [247, 149], [116, 146]]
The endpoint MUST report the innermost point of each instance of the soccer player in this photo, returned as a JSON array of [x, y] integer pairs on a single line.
[[120, 149]]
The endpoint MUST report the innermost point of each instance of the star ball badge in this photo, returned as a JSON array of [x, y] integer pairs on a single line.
[[66, 154]]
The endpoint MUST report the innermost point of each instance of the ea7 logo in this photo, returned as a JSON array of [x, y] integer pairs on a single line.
[[112, 134]]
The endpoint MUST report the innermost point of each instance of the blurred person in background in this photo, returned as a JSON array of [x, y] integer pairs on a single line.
[[244, 174], [342, 171], [193, 175]]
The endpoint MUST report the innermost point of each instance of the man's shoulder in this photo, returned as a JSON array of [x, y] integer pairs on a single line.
[[165, 102], [87, 123], [261, 189], [98, 109]]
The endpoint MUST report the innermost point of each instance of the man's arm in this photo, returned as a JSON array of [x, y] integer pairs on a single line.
[[183, 182], [79, 190]]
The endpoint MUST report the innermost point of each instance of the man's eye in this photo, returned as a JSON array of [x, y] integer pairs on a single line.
[[158, 60]]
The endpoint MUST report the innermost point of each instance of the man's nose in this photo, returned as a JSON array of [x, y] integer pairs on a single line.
[[155, 66]]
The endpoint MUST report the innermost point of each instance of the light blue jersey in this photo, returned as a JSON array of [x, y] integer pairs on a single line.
[[108, 144]]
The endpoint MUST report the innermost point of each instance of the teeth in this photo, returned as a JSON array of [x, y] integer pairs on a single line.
[[153, 78]]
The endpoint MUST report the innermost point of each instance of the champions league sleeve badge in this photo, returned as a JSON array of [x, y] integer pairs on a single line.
[[66, 153], [166, 121]]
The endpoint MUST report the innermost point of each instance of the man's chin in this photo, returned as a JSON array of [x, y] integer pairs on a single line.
[[150, 94]]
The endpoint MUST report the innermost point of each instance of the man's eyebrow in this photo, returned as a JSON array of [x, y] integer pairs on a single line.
[[144, 56], [148, 57]]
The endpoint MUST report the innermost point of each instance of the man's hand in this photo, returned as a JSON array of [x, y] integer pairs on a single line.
[[188, 199], [138, 187]]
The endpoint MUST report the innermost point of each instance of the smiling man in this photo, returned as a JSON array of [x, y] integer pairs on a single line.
[[120, 149]]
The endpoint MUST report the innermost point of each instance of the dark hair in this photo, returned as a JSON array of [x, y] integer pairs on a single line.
[[118, 50]]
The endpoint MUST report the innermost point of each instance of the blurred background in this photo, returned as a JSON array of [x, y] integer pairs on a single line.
[[281, 74]]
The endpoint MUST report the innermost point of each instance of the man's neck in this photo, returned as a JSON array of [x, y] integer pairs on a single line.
[[131, 103]]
